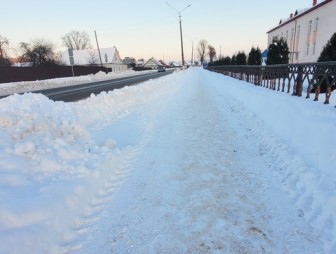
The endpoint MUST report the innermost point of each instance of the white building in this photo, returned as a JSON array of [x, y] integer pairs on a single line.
[[307, 31], [153, 64], [110, 58]]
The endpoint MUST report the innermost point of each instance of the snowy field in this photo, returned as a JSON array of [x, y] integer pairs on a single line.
[[193, 162]]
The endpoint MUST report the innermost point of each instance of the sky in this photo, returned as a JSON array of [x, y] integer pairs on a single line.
[[148, 28]]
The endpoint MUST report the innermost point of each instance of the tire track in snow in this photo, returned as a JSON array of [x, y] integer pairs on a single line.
[[246, 205], [116, 169], [200, 186], [112, 172], [211, 160], [291, 171]]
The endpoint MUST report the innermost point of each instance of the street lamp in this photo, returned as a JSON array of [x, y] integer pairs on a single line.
[[192, 49], [180, 20]]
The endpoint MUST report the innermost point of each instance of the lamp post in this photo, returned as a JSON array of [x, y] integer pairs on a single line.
[[180, 21], [192, 53], [192, 49]]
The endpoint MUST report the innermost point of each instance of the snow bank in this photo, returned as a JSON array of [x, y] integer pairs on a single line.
[[57, 170]]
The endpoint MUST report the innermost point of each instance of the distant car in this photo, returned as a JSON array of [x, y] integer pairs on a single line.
[[161, 69]]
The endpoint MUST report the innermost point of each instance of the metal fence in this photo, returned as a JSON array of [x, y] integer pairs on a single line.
[[317, 77]]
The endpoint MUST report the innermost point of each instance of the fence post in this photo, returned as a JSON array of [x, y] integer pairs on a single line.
[[270, 76], [299, 85]]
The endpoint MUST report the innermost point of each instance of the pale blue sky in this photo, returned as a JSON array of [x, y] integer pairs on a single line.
[[146, 28]]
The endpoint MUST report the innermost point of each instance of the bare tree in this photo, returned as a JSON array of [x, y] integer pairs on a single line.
[[92, 60], [39, 53], [3, 45], [202, 46], [58, 58], [76, 40], [4, 60], [211, 53]]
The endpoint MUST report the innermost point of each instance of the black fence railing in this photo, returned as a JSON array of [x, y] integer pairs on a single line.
[[313, 77]]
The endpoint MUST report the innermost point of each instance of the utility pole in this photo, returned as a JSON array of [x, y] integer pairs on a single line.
[[101, 62], [192, 49], [180, 21], [192, 53], [181, 41]]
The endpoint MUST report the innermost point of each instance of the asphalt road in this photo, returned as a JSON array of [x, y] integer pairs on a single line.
[[81, 91]]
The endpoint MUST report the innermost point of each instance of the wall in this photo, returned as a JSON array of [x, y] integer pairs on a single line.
[[326, 18], [16, 74], [116, 67]]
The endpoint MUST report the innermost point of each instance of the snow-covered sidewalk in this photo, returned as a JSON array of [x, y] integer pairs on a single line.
[[202, 186], [194, 162]]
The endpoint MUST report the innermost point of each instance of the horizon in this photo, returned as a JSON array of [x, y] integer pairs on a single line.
[[149, 28]]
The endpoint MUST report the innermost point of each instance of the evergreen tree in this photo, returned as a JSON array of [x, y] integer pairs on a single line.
[[278, 52], [328, 54], [254, 57], [222, 61], [241, 58], [234, 60], [329, 51], [226, 60]]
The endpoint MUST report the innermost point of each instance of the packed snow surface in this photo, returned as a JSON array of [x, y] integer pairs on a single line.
[[193, 162]]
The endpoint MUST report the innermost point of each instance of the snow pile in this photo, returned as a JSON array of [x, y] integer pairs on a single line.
[[55, 169], [28, 86], [125, 170]]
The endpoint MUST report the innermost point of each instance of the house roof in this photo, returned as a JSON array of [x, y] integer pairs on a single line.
[[174, 64], [264, 54], [299, 13], [91, 56], [152, 62], [163, 63]]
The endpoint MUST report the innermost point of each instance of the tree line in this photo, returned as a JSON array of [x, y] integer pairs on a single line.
[[204, 49], [41, 52], [277, 53]]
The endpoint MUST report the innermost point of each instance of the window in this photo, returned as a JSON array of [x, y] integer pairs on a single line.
[[316, 23], [291, 41], [308, 36], [315, 35], [297, 43], [276, 37], [314, 48]]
